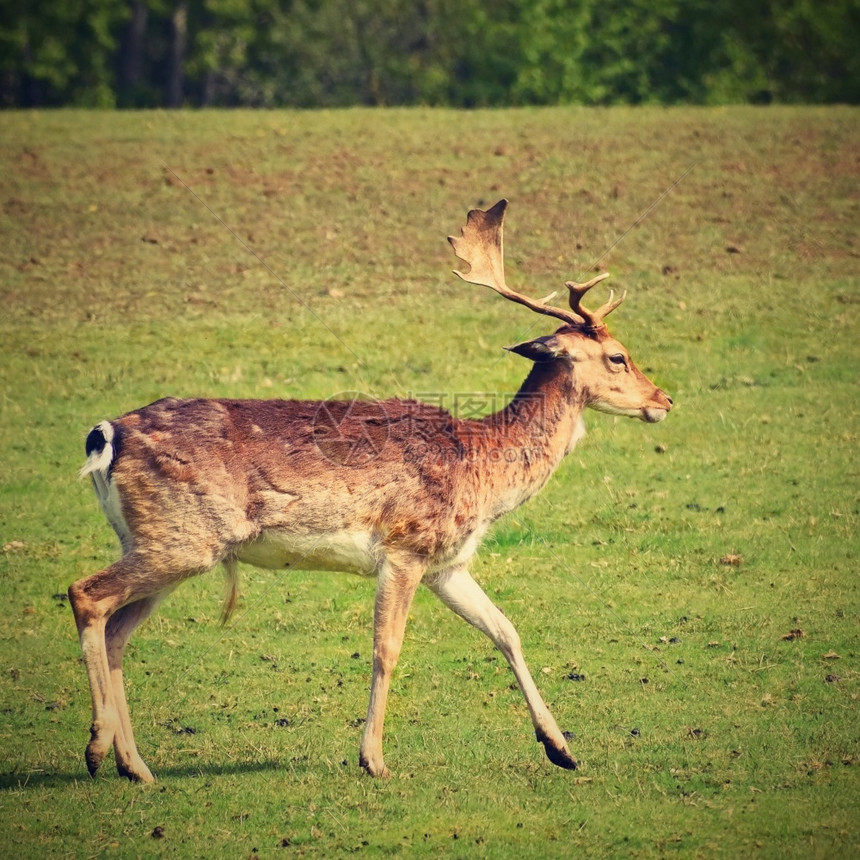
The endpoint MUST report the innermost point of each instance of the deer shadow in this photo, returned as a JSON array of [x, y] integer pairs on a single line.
[[23, 780]]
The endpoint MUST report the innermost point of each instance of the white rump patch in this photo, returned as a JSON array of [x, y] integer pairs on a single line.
[[99, 461], [98, 468]]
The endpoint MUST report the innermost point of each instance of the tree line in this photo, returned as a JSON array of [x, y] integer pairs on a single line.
[[462, 53]]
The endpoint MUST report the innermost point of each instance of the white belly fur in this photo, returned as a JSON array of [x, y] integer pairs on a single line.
[[352, 552]]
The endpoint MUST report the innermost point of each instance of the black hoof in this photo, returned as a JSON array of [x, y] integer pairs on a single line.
[[93, 760], [559, 757]]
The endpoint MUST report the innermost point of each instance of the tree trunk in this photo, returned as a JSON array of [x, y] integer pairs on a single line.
[[175, 80], [131, 58]]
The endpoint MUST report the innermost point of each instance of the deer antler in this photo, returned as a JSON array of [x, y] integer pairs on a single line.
[[481, 246], [594, 319]]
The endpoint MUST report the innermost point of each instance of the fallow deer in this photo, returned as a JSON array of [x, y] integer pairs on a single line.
[[395, 489]]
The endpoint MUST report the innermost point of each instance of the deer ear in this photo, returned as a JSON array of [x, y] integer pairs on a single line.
[[545, 348]]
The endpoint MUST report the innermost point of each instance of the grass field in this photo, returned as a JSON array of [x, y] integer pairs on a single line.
[[687, 593]]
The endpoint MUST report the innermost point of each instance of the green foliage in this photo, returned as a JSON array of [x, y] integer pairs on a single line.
[[686, 592], [59, 52], [463, 53]]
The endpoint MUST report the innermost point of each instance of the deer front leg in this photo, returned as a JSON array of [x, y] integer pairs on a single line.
[[457, 590], [395, 589]]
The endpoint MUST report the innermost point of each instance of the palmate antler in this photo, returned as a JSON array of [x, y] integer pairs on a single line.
[[481, 246]]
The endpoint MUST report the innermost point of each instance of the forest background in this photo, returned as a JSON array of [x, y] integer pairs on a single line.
[[457, 53]]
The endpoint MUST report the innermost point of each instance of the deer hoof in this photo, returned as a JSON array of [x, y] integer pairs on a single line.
[[94, 756], [559, 756], [136, 772], [375, 769], [100, 742]]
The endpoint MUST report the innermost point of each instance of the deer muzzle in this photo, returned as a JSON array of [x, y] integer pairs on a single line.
[[659, 408]]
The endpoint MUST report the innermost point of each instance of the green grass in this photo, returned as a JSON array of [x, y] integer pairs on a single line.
[[702, 730]]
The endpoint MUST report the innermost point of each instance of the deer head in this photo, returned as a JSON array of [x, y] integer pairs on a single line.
[[604, 372]]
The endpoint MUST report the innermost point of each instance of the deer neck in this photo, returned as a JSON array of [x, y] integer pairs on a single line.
[[532, 434]]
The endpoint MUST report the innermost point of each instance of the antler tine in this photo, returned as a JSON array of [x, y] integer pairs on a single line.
[[593, 318], [481, 246]]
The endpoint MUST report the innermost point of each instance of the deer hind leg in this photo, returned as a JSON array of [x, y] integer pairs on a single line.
[[457, 590], [118, 631], [395, 589], [108, 606]]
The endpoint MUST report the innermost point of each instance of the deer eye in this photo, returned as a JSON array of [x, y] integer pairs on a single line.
[[618, 359]]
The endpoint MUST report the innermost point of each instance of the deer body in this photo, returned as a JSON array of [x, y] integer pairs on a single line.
[[394, 489]]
